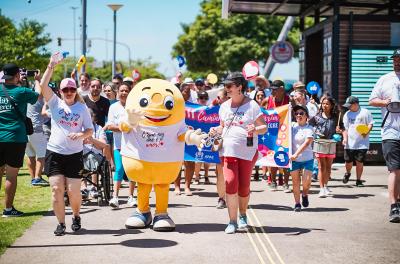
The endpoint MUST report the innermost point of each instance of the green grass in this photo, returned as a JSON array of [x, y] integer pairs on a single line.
[[33, 201]]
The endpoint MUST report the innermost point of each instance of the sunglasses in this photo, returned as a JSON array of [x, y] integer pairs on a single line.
[[229, 85], [203, 98], [68, 89], [299, 114]]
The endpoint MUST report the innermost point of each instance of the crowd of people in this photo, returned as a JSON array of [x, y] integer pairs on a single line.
[[76, 126]]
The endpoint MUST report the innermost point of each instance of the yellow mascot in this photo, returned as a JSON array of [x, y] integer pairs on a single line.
[[152, 149]]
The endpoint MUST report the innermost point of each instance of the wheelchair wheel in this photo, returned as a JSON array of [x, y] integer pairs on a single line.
[[105, 186]]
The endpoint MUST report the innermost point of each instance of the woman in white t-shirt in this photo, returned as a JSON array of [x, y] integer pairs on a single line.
[[115, 116], [302, 157], [70, 125], [241, 122]]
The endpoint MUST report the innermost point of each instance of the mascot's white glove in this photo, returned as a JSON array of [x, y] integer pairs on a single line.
[[195, 137], [131, 120]]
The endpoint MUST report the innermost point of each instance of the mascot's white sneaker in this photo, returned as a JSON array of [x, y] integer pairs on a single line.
[[163, 223], [138, 220]]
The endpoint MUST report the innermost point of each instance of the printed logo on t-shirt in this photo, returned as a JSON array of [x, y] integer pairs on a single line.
[[233, 120], [68, 119], [153, 140], [5, 104]]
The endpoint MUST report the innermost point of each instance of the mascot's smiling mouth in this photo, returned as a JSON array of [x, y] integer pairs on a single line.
[[157, 118]]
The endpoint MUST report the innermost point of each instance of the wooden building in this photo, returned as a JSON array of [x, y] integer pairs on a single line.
[[346, 50]]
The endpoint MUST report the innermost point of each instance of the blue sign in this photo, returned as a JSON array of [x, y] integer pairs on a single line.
[[203, 117], [181, 60], [313, 87]]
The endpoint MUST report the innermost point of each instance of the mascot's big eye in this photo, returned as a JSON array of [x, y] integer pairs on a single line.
[[169, 102], [144, 100]]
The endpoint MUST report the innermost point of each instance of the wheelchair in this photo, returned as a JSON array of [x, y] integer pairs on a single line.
[[104, 183]]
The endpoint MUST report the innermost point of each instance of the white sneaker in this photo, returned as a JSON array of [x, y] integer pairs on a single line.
[[132, 201], [322, 193], [93, 193], [114, 203], [327, 190]]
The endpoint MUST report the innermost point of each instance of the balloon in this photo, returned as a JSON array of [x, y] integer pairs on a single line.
[[313, 87], [212, 78], [362, 129], [181, 60], [81, 62], [250, 70], [337, 137]]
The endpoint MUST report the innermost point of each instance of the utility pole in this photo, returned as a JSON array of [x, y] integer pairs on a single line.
[[74, 25], [84, 5]]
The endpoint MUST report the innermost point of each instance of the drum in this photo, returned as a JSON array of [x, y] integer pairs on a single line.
[[324, 146]]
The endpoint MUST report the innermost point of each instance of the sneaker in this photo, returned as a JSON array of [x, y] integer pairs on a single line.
[[207, 180], [273, 187], [327, 190], [314, 177], [280, 179], [94, 193], [346, 177], [394, 215], [221, 203], [243, 222], [231, 228], [132, 202], [85, 194], [322, 193], [60, 230], [286, 188], [76, 223], [297, 207], [42, 182], [12, 213], [114, 203], [35, 182], [304, 201], [269, 180], [359, 183], [197, 181]]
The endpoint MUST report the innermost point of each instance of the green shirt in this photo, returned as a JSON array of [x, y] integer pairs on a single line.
[[12, 128]]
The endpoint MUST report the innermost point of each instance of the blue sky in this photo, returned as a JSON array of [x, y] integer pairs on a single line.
[[150, 28]]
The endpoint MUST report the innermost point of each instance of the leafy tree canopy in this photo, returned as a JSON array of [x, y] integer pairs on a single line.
[[213, 44]]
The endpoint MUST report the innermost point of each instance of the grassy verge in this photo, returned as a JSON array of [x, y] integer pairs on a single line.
[[33, 201]]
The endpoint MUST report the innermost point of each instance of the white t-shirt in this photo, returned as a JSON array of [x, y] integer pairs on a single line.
[[155, 143], [83, 93], [116, 114], [384, 89], [98, 133], [350, 121], [235, 139], [312, 109], [66, 119], [299, 135]]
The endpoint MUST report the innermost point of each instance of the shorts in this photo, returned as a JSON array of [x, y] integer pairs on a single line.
[[12, 154], [391, 153], [37, 144], [322, 155], [70, 166], [299, 165], [351, 155]]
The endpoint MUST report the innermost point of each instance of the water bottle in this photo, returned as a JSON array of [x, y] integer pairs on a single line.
[[249, 139]]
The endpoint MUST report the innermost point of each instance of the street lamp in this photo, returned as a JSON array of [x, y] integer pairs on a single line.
[[114, 8]]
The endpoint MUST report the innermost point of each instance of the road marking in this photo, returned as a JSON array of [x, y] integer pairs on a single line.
[[260, 240], [256, 248], [266, 236]]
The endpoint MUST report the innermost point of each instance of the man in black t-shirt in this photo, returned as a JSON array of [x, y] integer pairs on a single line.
[[97, 103]]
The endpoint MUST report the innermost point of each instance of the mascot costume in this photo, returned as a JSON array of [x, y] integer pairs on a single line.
[[152, 149]]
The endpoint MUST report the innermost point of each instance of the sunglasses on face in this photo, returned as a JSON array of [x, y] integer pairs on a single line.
[[229, 85], [68, 90], [299, 114], [203, 98]]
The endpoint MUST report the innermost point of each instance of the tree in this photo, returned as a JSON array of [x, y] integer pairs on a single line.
[[23, 45], [212, 44]]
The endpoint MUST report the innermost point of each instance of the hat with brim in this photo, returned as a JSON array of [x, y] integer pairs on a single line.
[[302, 107], [68, 82], [351, 100], [277, 84], [396, 53], [9, 71], [234, 77]]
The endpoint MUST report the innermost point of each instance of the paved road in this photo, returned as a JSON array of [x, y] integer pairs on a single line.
[[349, 227]]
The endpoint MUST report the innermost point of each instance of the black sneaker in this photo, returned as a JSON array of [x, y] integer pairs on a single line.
[[314, 177], [394, 215], [76, 223], [60, 230], [85, 194], [359, 183], [297, 207], [304, 201], [346, 177], [12, 213]]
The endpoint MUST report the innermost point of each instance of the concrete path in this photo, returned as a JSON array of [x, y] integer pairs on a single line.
[[349, 227]]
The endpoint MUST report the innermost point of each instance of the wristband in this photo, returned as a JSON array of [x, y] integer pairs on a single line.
[[258, 128]]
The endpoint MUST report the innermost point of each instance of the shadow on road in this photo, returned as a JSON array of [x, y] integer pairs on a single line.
[[200, 227], [288, 208], [117, 232], [289, 231], [352, 196]]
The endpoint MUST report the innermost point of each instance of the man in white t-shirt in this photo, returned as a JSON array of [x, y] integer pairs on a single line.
[[386, 90], [358, 123]]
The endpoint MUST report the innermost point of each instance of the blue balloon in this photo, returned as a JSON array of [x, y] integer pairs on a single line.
[[181, 60], [313, 87]]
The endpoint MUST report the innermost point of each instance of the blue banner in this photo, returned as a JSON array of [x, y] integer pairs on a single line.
[[203, 117]]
